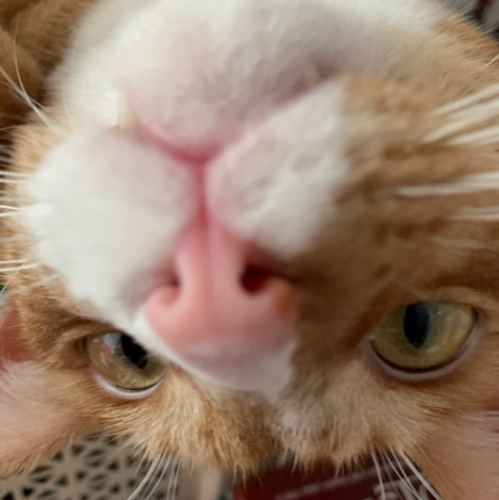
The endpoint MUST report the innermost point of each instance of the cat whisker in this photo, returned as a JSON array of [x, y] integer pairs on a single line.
[[35, 107], [146, 478], [464, 244], [6, 173], [401, 481], [165, 463], [482, 214], [380, 476], [388, 467], [11, 213], [20, 89], [484, 110], [461, 123], [167, 468], [465, 102], [170, 479], [11, 181], [26, 288], [421, 478], [9, 207], [10, 262], [487, 181], [483, 137], [15, 272], [403, 476], [171, 493], [491, 62], [14, 269], [143, 459]]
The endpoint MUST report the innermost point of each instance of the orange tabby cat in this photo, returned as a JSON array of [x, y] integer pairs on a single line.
[[237, 230]]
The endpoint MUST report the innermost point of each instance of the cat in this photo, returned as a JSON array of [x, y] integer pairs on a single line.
[[240, 230]]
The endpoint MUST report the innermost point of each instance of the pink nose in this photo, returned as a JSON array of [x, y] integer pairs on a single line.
[[220, 306]]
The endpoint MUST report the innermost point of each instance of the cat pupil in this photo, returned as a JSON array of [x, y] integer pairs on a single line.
[[417, 325], [134, 352]]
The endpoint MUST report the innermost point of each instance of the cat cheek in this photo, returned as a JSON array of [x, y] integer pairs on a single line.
[[461, 459], [32, 427], [11, 347]]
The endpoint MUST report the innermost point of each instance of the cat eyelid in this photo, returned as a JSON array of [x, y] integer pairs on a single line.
[[124, 394]]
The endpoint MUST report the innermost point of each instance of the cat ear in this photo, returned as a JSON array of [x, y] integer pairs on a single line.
[[461, 459], [33, 427]]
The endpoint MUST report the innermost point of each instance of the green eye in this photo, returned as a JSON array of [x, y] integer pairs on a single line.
[[123, 362], [423, 337]]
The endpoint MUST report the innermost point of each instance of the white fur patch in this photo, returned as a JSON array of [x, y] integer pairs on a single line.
[[278, 186], [266, 373], [209, 65], [105, 214]]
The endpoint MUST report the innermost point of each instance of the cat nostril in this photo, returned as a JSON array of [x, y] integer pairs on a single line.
[[255, 280], [221, 297]]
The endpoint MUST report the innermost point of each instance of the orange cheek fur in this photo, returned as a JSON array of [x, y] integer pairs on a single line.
[[181, 416]]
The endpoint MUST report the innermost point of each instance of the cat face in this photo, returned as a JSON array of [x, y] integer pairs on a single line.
[[246, 229]]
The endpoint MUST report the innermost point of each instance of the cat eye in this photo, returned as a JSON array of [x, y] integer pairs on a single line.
[[423, 337], [123, 362]]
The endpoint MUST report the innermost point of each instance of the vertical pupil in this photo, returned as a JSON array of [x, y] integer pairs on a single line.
[[134, 352], [417, 325]]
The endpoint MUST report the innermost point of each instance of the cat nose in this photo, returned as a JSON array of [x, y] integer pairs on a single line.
[[220, 307]]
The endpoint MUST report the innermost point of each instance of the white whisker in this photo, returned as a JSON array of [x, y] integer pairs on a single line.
[[481, 138], [21, 90], [463, 121], [171, 494], [142, 460], [19, 289], [165, 462], [26, 99], [170, 481], [9, 207], [420, 476], [476, 217], [439, 190], [487, 181], [401, 480], [11, 181], [380, 476], [486, 214], [12, 277], [12, 213], [146, 478], [6, 173], [492, 61], [465, 244], [18, 268], [488, 92], [404, 476], [388, 467]]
